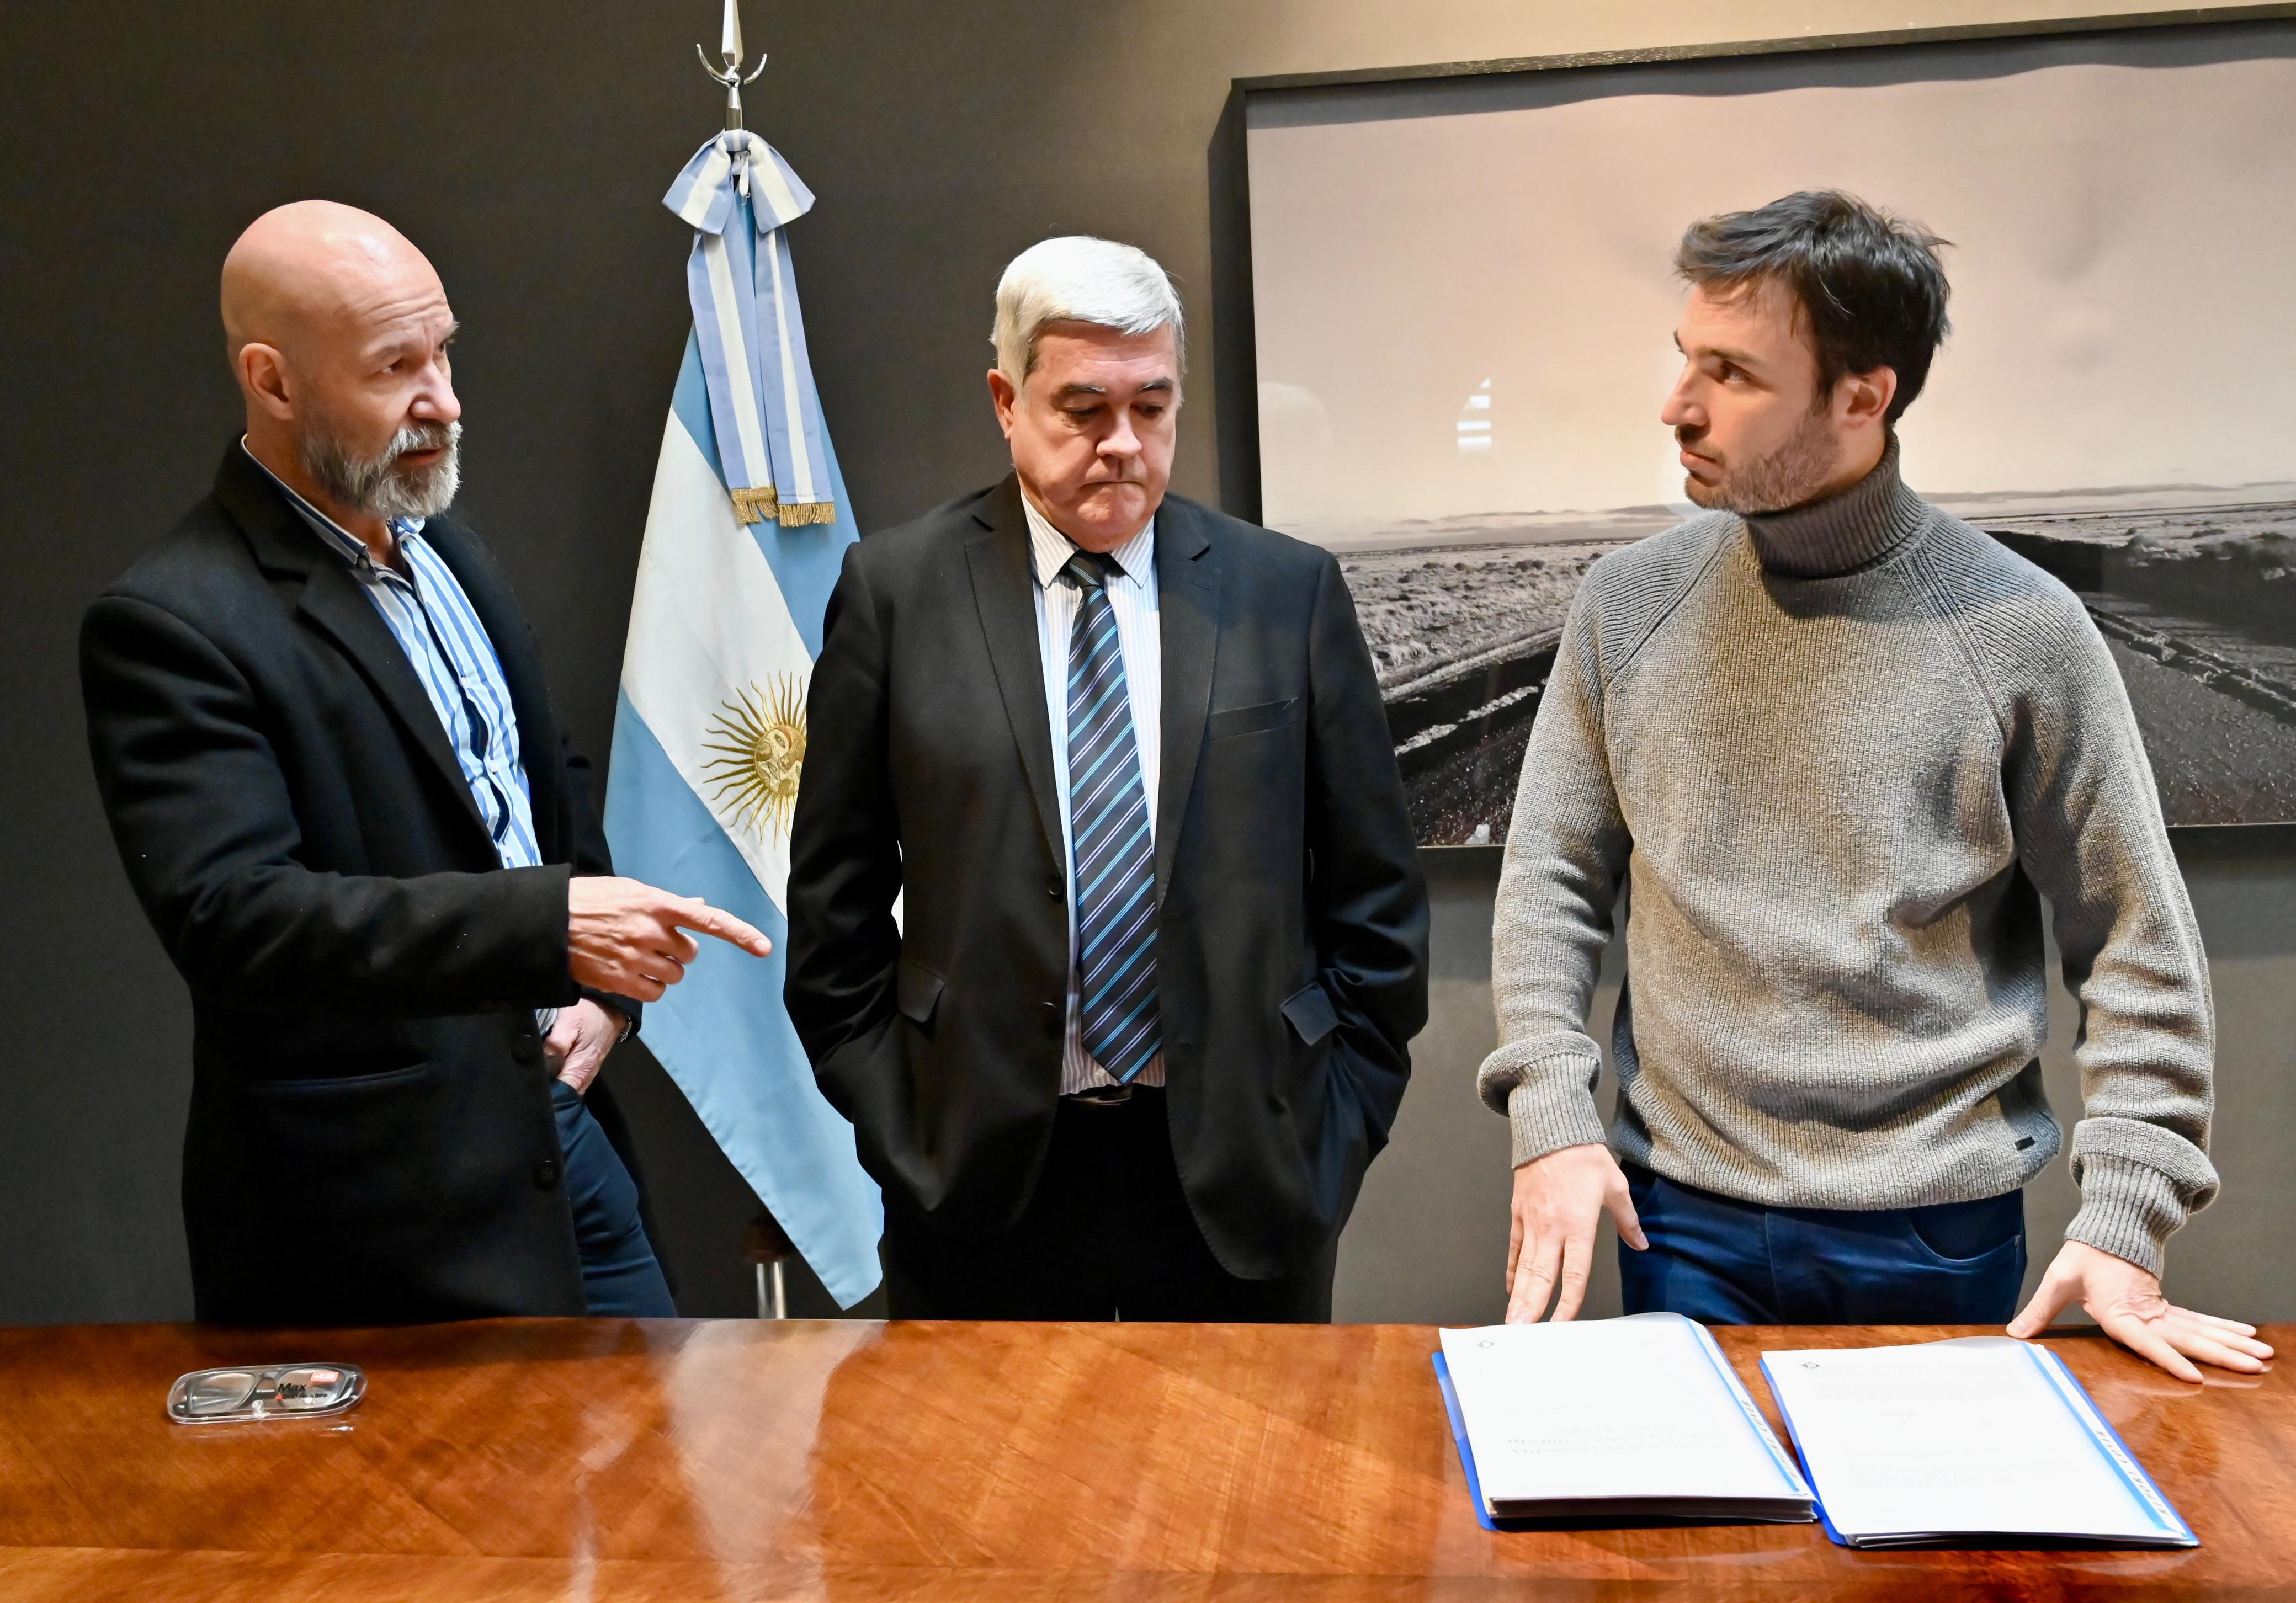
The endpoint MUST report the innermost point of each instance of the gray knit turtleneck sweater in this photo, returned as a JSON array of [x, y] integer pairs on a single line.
[[1831, 756]]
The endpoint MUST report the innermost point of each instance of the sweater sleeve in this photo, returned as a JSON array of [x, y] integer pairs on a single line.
[[1566, 850], [2090, 836]]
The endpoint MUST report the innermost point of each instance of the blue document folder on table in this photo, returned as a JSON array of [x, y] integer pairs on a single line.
[[1977, 1440], [1602, 1420]]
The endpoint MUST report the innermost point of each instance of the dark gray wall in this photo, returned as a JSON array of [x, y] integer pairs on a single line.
[[526, 147]]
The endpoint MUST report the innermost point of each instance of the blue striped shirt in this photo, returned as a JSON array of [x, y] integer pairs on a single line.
[[434, 623]]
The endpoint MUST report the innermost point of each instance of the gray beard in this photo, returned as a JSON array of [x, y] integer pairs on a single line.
[[377, 485], [1793, 473]]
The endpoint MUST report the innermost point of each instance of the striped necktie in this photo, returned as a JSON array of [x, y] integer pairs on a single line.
[[1108, 823]]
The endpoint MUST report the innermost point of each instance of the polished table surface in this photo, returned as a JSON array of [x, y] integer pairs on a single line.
[[703, 1459]]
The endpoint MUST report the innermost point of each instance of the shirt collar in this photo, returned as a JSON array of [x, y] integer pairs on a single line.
[[1049, 550], [345, 543]]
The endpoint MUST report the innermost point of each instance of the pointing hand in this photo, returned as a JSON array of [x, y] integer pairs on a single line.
[[629, 938]]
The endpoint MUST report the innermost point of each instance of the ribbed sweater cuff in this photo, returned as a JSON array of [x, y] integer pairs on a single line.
[[2128, 1209], [1550, 1116]]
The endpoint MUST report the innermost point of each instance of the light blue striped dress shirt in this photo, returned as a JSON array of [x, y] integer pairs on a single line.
[[428, 613], [1132, 598]]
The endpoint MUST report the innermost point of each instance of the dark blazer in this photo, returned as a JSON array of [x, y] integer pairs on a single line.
[[1292, 916], [370, 1137]]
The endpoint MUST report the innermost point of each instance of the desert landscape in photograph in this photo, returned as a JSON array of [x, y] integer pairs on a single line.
[[2196, 603], [1464, 638], [2198, 607]]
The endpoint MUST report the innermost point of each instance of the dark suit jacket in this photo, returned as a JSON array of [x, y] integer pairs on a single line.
[[370, 1137], [1292, 916]]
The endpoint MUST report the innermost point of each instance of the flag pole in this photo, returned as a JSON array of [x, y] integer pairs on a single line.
[[766, 1247]]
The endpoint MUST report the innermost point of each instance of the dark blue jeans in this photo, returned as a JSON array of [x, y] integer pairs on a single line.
[[1729, 1263], [621, 1276]]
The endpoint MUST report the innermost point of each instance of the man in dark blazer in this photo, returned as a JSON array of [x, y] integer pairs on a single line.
[[323, 739], [1141, 1021]]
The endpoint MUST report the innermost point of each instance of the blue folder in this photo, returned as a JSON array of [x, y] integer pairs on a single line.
[[1467, 1454], [1484, 1517], [2174, 1531]]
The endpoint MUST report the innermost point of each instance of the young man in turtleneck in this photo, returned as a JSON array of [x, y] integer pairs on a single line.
[[1832, 746]]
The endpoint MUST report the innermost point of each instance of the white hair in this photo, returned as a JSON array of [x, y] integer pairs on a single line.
[[1080, 279]]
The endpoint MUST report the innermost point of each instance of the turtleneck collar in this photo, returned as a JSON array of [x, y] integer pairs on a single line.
[[1843, 533]]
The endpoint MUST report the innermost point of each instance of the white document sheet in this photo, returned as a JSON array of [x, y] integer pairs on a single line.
[[1635, 1415], [1980, 1436]]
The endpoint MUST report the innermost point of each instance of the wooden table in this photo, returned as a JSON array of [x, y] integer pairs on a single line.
[[1154, 1463]]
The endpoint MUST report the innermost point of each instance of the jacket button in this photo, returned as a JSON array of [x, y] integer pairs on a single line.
[[1054, 888], [1056, 1017], [545, 1175]]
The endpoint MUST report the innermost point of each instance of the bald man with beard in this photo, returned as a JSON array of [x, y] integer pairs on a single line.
[[329, 759]]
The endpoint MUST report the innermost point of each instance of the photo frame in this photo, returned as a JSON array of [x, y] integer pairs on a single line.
[[1442, 303]]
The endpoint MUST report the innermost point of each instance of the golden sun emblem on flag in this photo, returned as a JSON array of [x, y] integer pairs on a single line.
[[759, 740]]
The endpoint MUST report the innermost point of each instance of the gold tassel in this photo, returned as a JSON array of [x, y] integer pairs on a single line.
[[797, 514], [754, 505]]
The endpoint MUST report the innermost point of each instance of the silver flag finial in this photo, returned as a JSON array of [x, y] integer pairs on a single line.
[[729, 45]]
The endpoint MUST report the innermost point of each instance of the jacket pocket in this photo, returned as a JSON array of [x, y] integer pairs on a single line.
[[325, 1082], [1310, 1013], [916, 991], [1254, 720]]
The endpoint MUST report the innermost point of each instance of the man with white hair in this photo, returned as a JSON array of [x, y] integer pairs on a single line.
[[1141, 1022], [324, 741]]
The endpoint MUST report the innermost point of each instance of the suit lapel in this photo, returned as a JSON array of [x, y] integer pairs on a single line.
[[514, 647], [287, 547], [997, 555], [1187, 602]]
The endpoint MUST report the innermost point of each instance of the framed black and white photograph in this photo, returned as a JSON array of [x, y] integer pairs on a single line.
[[1451, 291]]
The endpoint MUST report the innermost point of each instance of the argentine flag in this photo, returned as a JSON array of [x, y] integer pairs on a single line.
[[743, 540]]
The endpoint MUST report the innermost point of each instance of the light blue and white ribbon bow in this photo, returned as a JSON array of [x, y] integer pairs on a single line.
[[739, 195]]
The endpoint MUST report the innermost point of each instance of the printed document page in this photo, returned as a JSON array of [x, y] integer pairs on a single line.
[[1642, 1409], [1981, 1436]]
